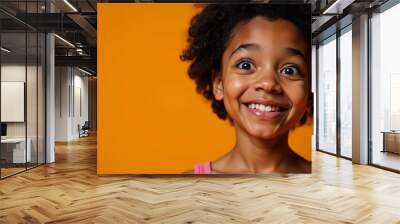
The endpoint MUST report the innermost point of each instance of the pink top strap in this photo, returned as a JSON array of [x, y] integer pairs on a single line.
[[204, 168]]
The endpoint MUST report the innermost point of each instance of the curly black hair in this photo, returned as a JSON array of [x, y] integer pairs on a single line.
[[211, 30]]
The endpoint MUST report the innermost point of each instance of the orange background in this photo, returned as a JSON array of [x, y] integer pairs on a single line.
[[150, 118]]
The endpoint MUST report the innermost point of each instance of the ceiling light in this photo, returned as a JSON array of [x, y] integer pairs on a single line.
[[5, 50], [331, 7], [65, 41], [84, 71], [338, 6], [79, 51], [70, 5]]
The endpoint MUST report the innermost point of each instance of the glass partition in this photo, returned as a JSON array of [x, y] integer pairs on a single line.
[[23, 91], [32, 95], [14, 153], [33, 84]]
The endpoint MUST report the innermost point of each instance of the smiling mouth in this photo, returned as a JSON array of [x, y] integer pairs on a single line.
[[265, 107], [266, 111]]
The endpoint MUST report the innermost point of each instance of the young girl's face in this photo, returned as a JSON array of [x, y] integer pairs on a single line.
[[265, 77]]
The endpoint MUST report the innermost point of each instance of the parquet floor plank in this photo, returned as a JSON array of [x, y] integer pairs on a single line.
[[70, 191]]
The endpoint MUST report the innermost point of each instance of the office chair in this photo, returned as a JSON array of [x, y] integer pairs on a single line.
[[84, 130]]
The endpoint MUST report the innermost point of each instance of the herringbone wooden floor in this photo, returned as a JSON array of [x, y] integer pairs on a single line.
[[69, 191]]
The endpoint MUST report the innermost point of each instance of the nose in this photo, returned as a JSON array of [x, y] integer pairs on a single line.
[[268, 81]]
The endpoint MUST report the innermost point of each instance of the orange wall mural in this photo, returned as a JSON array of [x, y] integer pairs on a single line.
[[150, 118]]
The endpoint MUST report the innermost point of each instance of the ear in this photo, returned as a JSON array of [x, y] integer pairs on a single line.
[[218, 88]]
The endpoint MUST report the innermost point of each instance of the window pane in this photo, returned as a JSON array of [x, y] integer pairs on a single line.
[[346, 94], [385, 84], [327, 96]]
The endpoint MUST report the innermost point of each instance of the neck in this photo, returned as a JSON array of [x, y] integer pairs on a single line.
[[257, 155]]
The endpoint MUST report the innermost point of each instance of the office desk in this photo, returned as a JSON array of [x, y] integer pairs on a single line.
[[391, 141], [15, 148]]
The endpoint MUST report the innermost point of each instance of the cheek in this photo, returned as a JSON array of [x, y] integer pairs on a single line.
[[297, 95], [234, 86]]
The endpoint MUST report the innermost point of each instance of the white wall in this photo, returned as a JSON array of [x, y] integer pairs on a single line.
[[81, 103], [9, 73], [61, 103], [16, 73], [71, 94]]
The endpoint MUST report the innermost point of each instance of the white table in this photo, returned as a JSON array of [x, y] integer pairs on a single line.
[[18, 150]]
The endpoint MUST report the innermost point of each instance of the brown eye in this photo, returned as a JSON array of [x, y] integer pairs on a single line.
[[290, 71], [245, 65]]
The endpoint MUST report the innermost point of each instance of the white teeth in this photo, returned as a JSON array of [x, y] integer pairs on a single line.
[[261, 107]]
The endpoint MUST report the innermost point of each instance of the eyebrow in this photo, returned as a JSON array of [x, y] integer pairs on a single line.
[[246, 46], [291, 51], [294, 52]]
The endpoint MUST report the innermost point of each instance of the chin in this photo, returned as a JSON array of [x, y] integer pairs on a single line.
[[264, 134]]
